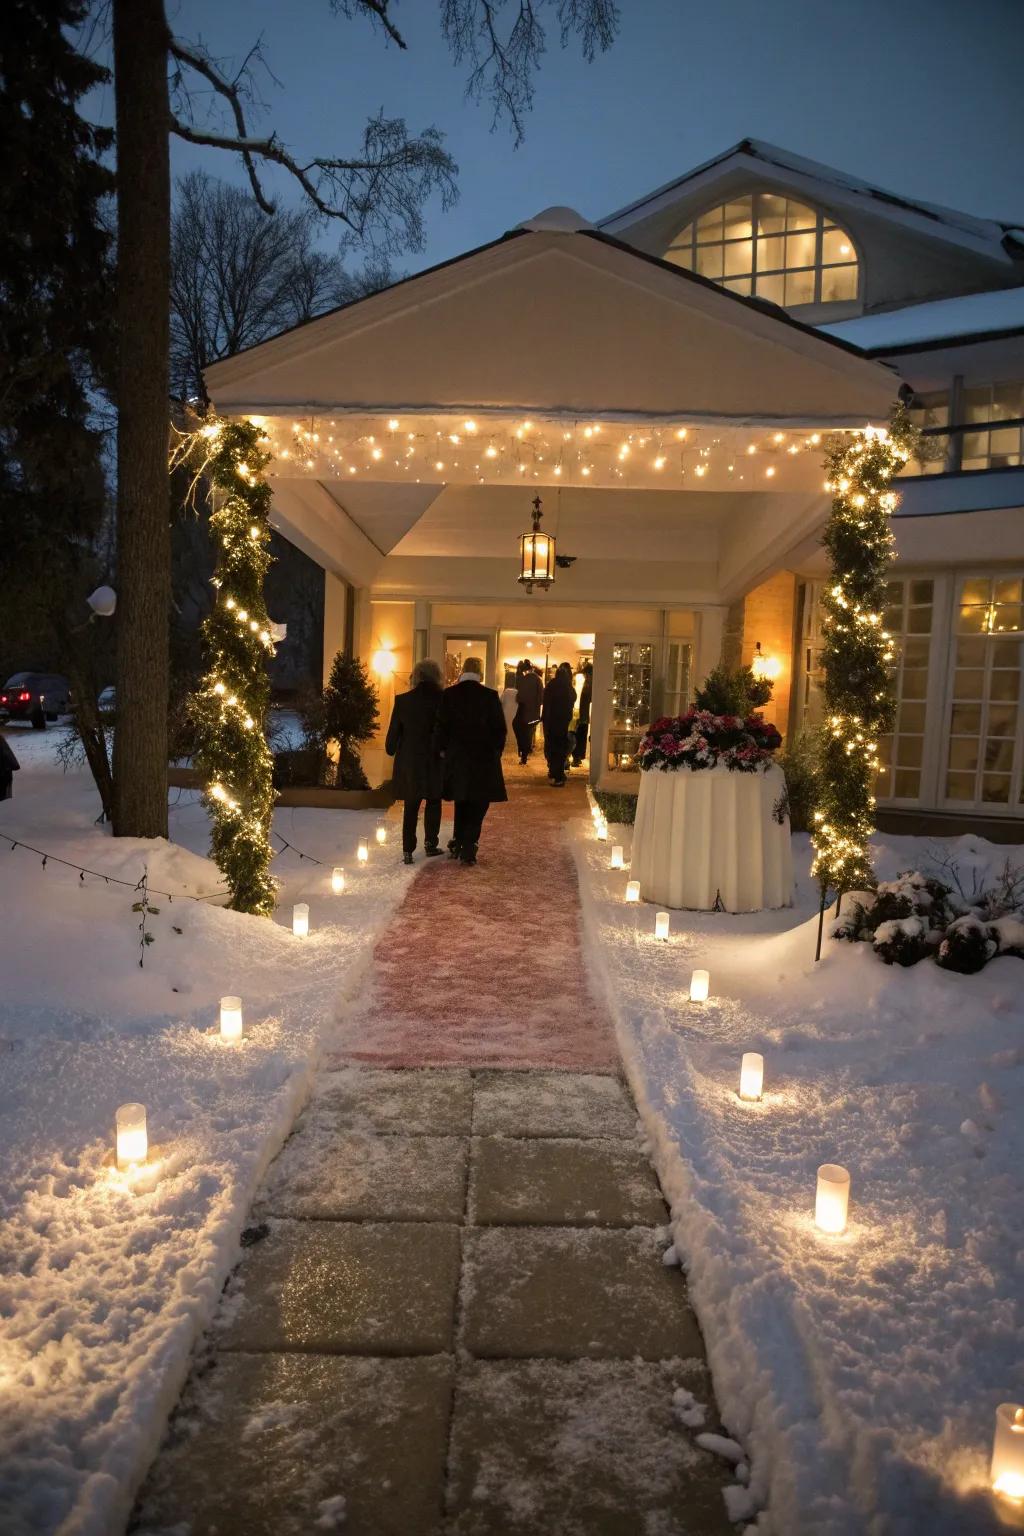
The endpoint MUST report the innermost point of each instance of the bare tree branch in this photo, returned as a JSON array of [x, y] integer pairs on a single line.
[[377, 10]]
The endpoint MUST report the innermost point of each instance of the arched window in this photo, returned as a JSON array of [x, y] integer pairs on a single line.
[[771, 247]]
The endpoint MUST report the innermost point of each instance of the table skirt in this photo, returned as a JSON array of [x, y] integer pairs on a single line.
[[713, 834]]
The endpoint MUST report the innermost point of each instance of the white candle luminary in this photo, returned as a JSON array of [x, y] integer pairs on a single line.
[[616, 859], [337, 880], [300, 919], [132, 1140], [601, 828], [363, 851], [700, 985], [832, 1199], [661, 922], [1008, 1452], [751, 1075], [382, 832], [632, 890], [231, 1018]]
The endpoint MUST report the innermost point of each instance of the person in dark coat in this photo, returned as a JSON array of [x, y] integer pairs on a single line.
[[579, 750], [417, 775], [530, 693], [470, 733], [559, 702], [9, 766]]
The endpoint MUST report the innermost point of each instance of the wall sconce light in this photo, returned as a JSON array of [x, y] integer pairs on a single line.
[[132, 1138], [1007, 1471], [700, 985], [383, 662], [231, 1018], [751, 1075], [767, 668], [300, 919], [832, 1199]]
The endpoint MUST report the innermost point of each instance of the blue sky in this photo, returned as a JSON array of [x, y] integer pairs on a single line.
[[921, 96]]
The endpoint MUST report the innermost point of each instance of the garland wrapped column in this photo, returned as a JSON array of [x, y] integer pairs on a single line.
[[858, 653], [230, 704]]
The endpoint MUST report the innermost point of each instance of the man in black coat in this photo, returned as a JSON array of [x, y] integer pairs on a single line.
[[417, 773], [470, 733], [559, 703], [529, 694]]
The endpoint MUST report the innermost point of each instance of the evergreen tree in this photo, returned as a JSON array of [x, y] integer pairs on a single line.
[[55, 327], [344, 715]]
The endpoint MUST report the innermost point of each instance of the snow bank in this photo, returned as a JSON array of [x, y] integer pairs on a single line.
[[860, 1373], [106, 1282]]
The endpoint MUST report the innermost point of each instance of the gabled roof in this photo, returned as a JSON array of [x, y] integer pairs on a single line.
[[940, 322], [989, 237]]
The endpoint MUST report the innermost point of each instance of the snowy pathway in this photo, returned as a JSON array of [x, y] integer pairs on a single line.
[[453, 1315]]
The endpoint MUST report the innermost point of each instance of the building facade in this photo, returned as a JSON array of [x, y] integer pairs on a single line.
[[663, 382]]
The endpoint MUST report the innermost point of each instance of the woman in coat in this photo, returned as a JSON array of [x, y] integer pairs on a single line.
[[559, 703], [529, 693], [417, 774]]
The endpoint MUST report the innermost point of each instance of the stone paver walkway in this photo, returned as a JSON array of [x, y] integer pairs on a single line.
[[452, 1317]]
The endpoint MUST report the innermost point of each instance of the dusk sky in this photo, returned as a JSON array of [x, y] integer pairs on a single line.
[[923, 98]]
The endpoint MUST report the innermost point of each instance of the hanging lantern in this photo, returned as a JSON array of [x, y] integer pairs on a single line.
[[536, 554]]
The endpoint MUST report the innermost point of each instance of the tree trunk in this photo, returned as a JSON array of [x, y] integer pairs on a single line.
[[143, 532]]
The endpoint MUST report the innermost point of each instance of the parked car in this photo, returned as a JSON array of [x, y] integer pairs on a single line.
[[35, 695]]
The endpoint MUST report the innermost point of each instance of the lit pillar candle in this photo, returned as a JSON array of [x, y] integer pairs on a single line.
[[832, 1199], [661, 922], [363, 851], [231, 1018], [337, 880], [751, 1075], [700, 984], [616, 858], [132, 1140], [632, 890], [300, 919], [1008, 1451], [382, 832]]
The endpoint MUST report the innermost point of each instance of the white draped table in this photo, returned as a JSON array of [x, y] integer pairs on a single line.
[[712, 832]]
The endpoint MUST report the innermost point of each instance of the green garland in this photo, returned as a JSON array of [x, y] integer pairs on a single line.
[[858, 653], [230, 704]]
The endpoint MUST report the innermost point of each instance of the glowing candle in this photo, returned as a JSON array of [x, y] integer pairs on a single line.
[[700, 983], [382, 832], [363, 851], [300, 919], [231, 1018], [632, 890], [833, 1198], [751, 1075], [1008, 1451], [602, 831], [132, 1140], [616, 861], [337, 880], [661, 922]]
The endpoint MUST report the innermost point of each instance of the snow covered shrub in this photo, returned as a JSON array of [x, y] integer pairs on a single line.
[[904, 940], [797, 761], [916, 916], [967, 947]]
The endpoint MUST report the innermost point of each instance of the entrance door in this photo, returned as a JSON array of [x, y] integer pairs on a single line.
[[457, 648], [636, 680]]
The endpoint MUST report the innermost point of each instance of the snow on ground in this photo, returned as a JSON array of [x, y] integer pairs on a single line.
[[105, 1282], [861, 1373]]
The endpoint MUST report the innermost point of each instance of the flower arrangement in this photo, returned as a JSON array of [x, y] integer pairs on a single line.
[[700, 739]]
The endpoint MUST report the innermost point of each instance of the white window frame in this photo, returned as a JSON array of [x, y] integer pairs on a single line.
[[991, 808]]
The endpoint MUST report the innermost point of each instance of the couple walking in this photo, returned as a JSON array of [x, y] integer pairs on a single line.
[[447, 744]]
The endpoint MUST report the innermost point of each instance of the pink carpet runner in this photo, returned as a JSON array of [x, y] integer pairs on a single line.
[[483, 966]]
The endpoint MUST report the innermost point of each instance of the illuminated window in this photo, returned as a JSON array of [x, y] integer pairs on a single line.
[[995, 411], [908, 616], [985, 763], [773, 248]]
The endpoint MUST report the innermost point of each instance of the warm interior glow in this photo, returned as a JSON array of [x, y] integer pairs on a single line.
[[700, 985], [751, 1075], [300, 919], [231, 1018], [337, 880], [132, 1138], [832, 1198]]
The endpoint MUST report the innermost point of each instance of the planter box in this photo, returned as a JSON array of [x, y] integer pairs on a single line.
[[319, 796]]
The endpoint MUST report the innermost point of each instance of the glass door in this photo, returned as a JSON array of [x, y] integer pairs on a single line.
[[632, 702], [457, 648]]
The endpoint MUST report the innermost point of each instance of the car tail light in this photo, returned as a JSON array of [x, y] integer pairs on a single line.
[[24, 697]]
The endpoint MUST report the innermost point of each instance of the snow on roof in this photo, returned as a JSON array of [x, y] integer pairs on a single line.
[[970, 315], [986, 230]]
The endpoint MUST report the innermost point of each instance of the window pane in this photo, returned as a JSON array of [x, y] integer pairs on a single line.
[[1005, 617], [1007, 653], [966, 720], [915, 652], [738, 258], [960, 786], [799, 216], [977, 590], [838, 285], [963, 754], [1008, 591], [772, 288], [835, 246], [801, 250], [709, 261], [799, 287], [680, 256], [995, 788], [771, 254], [908, 784], [911, 717], [913, 684], [739, 223], [738, 285], [999, 754], [1007, 401], [970, 653], [709, 225], [1004, 686], [908, 751], [1002, 720], [919, 621], [968, 685], [973, 619], [921, 591], [771, 214]]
